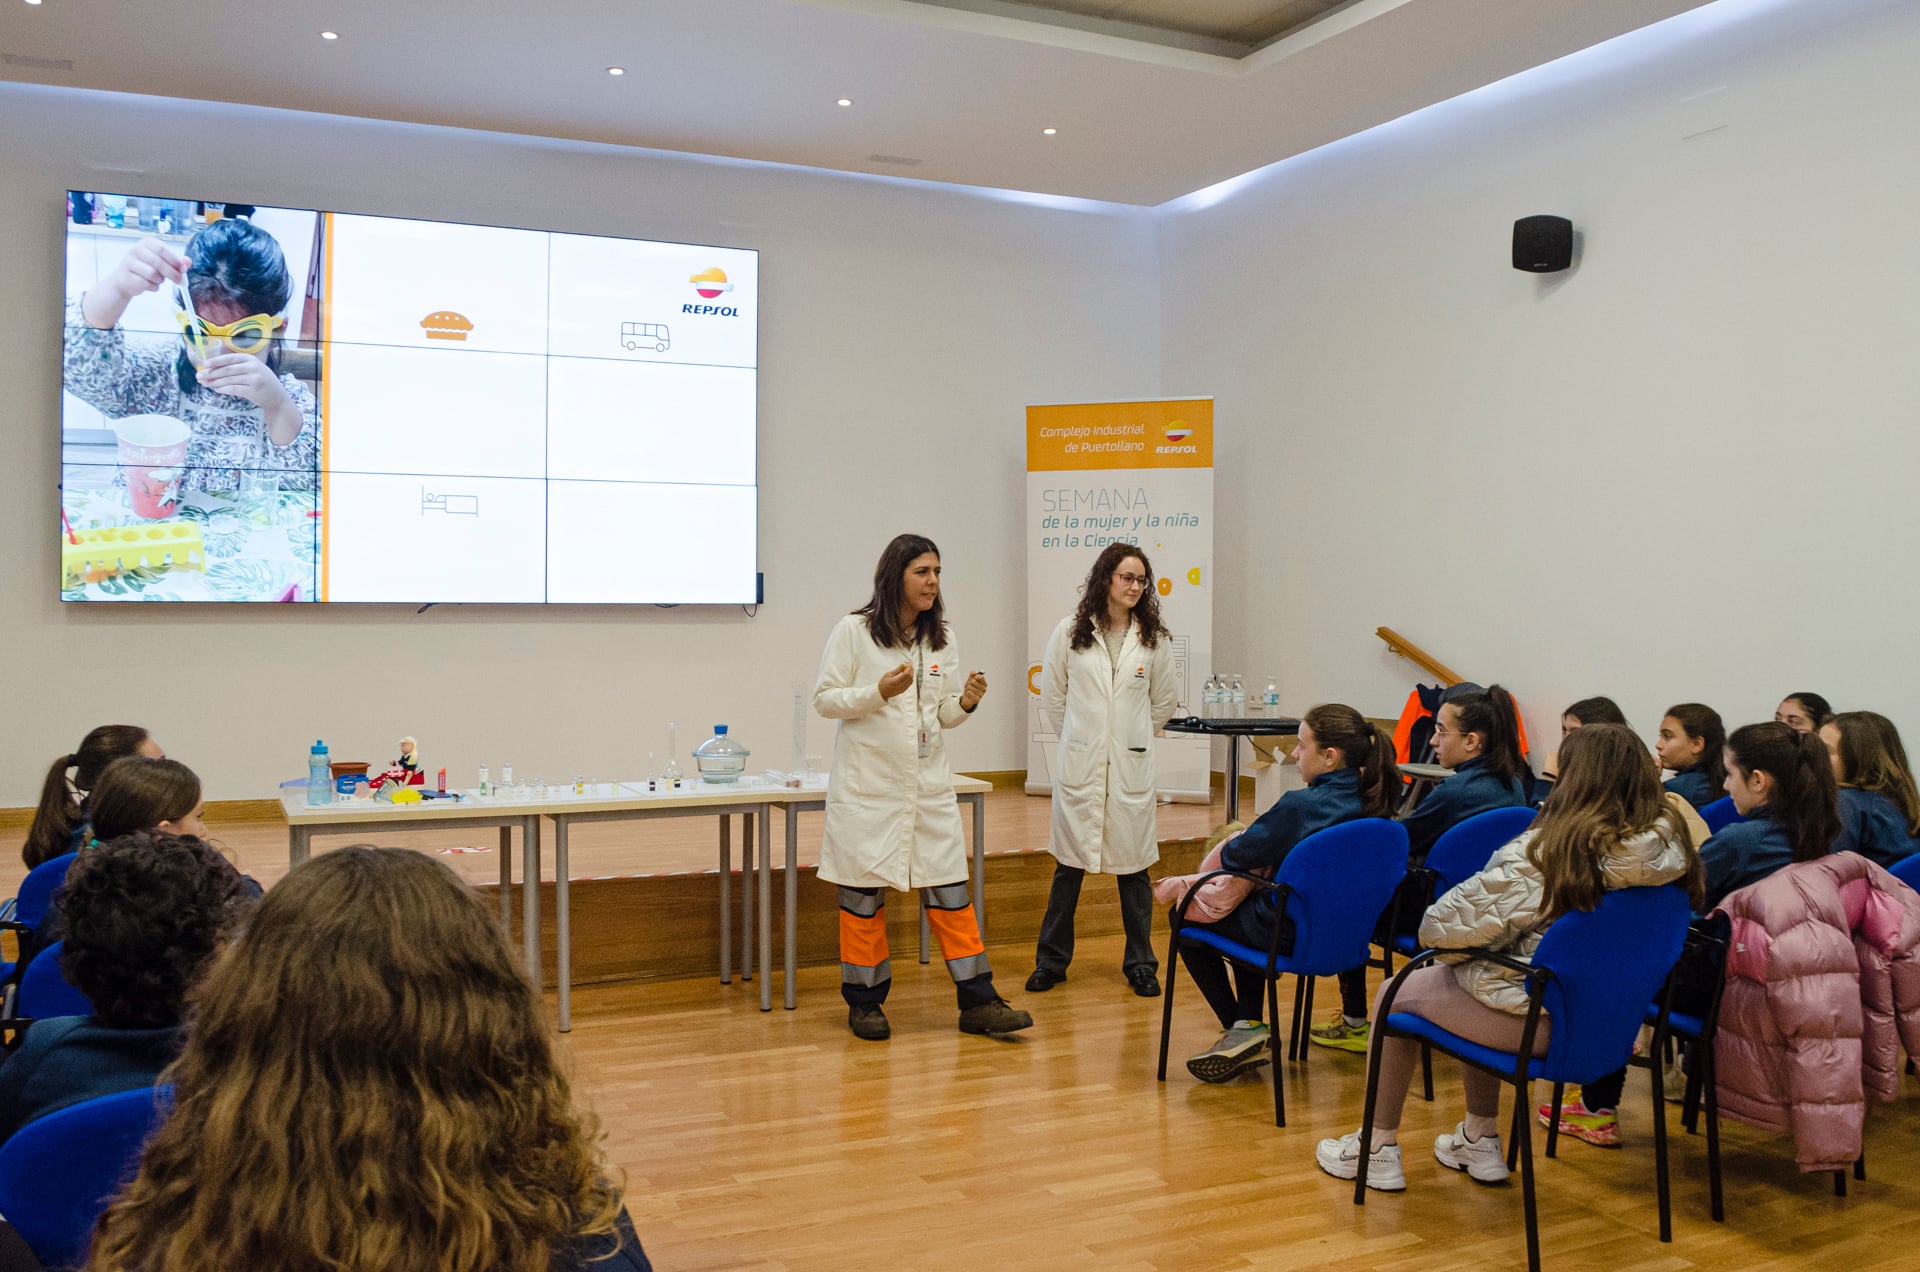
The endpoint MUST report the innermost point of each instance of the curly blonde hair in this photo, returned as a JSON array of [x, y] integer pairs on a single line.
[[368, 1085]]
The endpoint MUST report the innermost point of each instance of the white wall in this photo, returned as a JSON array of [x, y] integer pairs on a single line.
[[904, 329], [1684, 470]]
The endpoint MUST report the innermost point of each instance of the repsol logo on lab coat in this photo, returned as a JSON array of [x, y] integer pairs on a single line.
[[711, 311]]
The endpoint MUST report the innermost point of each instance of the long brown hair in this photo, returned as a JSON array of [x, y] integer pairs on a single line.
[[1492, 714], [368, 1085], [882, 610], [1091, 615], [1703, 722], [1804, 798], [1873, 758], [138, 793], [61, 809], [1608, 792], [1366, 747]]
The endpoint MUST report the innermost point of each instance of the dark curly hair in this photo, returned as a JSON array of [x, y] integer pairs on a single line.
[[1092, 611], [143, 915]]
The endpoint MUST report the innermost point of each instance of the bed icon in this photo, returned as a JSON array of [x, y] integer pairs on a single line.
[[640, 335]]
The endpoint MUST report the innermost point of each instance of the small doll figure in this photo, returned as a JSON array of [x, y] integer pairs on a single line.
[[409, 763]]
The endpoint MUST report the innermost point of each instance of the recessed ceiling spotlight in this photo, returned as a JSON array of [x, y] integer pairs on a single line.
[[846, 101], [616, 70], [33, 1], [329, 35], [1048, 132]]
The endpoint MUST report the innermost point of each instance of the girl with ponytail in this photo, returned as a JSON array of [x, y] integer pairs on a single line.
[[1879, 806], [60, 822], [1693, 744], [1349, 766], [1781, 781], [1478, 737]]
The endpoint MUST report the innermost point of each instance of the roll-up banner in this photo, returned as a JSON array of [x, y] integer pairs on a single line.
[[1131, 472]]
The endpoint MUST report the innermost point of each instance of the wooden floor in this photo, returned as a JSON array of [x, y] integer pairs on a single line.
[[781, 1142]]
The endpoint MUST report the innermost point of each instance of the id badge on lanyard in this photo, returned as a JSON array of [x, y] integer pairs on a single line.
[[919, 708]]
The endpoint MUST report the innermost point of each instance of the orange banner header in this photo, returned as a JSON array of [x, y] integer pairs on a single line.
[[1165, 433]]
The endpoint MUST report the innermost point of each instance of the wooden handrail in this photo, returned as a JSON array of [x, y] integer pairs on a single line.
[[1396, 643]]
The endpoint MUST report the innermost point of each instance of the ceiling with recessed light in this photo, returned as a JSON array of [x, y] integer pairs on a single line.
[[1148, 99]]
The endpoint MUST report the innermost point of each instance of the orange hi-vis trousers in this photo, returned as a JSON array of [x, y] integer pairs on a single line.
[[866, 972]]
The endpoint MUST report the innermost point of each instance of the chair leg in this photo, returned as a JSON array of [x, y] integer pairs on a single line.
[[1663, 1186], [1553, 1122], [1523, 1144], [1166, 1006], [1703, 1062], [1294, 1044], [1279, 1087], [1524, 1097], [1366, 1119], [1696, 1085], [1839, 1183], [1860, 1166], [1426, 1071], [1304, 1018]]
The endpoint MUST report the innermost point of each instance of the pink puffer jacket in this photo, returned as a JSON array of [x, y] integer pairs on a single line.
[[1823, 988]]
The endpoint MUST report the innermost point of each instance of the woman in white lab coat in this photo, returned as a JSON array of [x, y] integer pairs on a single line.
[[1106, 687], [891, 676]]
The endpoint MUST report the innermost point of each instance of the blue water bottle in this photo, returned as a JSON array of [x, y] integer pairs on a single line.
[[319, 777]]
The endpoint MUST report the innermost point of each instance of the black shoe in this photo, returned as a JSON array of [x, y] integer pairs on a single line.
[[869, 1023], [1043, 980], [995, 1017], [1144, 982]]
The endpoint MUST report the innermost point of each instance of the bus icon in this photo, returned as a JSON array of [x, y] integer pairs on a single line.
[[641, 335]]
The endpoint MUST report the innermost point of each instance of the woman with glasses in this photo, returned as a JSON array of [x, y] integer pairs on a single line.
[[219, 374], [1106, 687]]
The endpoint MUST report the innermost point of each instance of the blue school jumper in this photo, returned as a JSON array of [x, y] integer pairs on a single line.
[[1743, 853], [1694, 785], [1872, 825], [1473, 788], [1328, 800]]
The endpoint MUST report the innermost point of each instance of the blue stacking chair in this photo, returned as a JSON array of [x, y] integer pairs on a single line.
[[1333, 887], [1720, 814], [45, 991], [58, 1172], [24, 914], [1593, 975], [1907, 871]]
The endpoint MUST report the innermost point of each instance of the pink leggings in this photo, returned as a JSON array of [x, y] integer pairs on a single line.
[[1434, 993]]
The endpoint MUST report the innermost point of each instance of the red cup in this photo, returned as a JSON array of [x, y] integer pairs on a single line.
[[153, 452]]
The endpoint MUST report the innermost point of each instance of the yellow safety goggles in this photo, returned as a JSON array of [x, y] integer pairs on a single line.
[[251, 334]]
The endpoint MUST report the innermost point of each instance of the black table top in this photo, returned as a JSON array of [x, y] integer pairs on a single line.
[[1233, 725]]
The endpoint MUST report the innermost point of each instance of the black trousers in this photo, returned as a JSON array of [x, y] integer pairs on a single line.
[[1245, 998], [1136, 918]]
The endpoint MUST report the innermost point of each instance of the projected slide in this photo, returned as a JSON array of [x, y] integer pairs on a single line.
[[264, 404]]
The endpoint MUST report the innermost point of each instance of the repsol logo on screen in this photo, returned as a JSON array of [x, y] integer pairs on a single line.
[[711, 284]]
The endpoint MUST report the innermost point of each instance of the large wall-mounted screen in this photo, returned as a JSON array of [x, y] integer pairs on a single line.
[[268, 404]]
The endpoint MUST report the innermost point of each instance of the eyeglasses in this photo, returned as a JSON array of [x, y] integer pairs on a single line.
[[1442, 731], [1131, 580]]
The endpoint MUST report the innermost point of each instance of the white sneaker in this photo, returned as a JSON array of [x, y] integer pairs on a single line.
[[1341, 1159], [1481, 1158]]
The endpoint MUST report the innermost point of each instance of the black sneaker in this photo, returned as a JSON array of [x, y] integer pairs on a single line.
[[995, 1017], [869, 1023], [1144, 982], [1043, 980]]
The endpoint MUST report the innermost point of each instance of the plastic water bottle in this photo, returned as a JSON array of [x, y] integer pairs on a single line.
[[1271, 698], [319, 777], [486, 787], [1210, 697], [721, 758], [1237, 697]]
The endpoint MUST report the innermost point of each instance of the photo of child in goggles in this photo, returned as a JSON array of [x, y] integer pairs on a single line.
[[221, 374]]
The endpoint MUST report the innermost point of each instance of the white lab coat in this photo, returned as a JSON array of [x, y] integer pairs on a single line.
[[1106, 716], [892, 820]]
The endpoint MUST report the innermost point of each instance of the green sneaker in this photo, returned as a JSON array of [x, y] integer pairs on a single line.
[[1340, 1035], [1240, 1048]]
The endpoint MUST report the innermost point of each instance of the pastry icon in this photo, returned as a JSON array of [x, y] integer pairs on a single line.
[[444, 324]]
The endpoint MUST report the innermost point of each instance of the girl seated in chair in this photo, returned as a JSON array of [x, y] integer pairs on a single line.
[[1607, 825]]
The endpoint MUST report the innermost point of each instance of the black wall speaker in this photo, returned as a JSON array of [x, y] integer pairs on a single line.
[[1542, 244]]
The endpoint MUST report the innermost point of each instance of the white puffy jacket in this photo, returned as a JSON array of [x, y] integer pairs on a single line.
[[1499, 909]]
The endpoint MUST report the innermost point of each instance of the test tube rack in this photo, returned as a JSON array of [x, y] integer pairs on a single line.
[[103, 553]]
